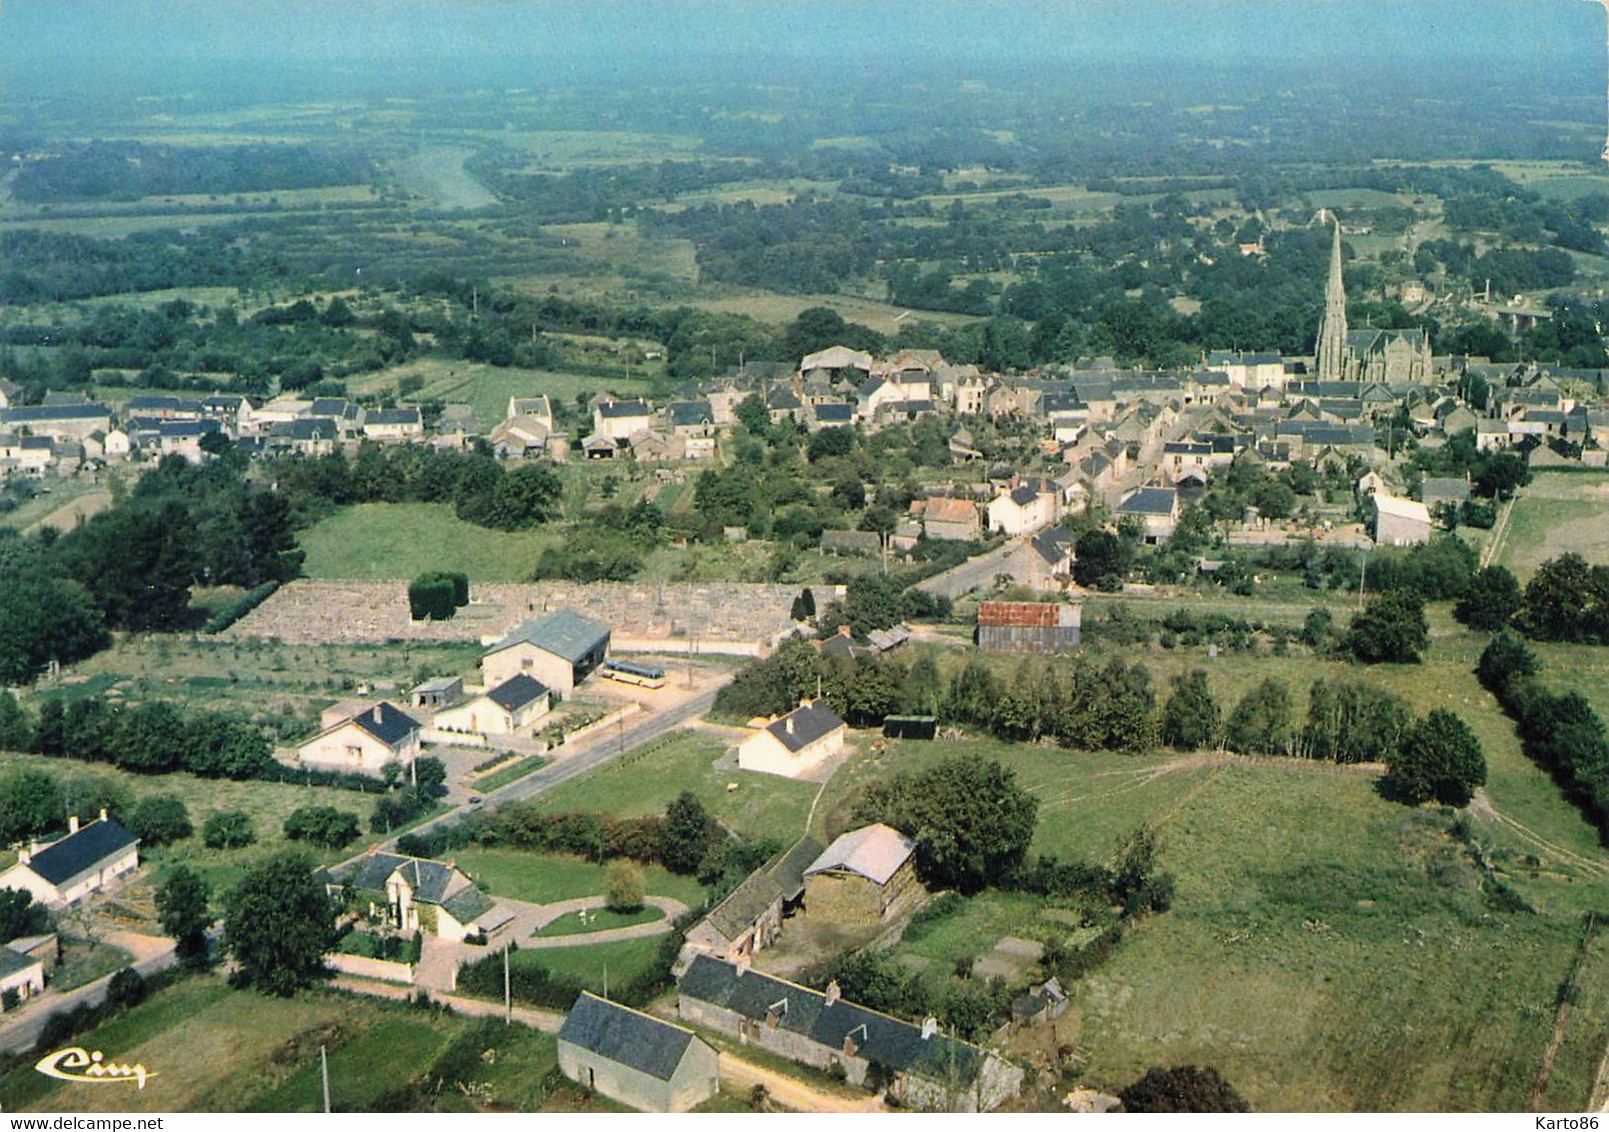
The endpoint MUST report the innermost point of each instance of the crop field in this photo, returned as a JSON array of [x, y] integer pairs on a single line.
[[1556, 513], [212, 1049]]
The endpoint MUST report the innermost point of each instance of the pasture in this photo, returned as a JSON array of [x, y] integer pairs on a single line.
[[487, 389], [1556, 513], [378, 541]]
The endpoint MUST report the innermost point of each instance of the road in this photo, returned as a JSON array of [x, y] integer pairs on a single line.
[[23, 1030]]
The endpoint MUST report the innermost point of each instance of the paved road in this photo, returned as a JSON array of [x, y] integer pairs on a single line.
[[22, 1029]]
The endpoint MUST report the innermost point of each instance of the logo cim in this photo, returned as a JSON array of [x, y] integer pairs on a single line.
[[77, 1064]]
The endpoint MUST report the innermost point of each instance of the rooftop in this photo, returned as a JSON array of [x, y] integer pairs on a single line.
[[626, 1036], [79, 852], [875, 852], [563, 633]]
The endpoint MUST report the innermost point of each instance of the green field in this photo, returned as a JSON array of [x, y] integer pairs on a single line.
[[615, 962], [544, 878], [600, 920], [648, 779], [401, 540], [486, 389], [1557, 512]]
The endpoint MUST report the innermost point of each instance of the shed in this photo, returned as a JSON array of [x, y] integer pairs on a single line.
[[634, 1058], [867, 874]]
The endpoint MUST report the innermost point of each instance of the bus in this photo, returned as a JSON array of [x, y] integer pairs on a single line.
[[628, 672]]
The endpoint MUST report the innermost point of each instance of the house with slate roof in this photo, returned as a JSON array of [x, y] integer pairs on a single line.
[[617, 420], [1158, 507], [795, 744], [635, 1058], [85, 861], [558, 650], [415, 894], [365, 742], [508, 709], [750, 918], [399, 425], [917, 1065], [21, 975], [867, 874]]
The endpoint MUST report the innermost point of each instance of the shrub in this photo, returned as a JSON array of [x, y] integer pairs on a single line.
[[160, 819], [322, 825], [623, 886], [432, 597], [229, 829]]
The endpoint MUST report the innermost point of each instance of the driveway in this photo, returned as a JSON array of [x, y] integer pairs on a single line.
[[790, 1092]]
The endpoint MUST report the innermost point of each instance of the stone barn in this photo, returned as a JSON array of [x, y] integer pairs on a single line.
[[1029, 626], [750, 918], [869, 874], [635, 1059]]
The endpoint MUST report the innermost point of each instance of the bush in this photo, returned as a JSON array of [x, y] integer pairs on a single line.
[[160, 819], [229, 829], [1392, 629], [432, 597], [126, 989], [623, 887], [1183, 1088], [322, 825]]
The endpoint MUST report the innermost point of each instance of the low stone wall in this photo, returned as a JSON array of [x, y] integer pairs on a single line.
[[364, 967], [607, 721]]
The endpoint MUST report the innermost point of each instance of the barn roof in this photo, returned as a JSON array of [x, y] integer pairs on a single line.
[[626, 1036], [875, 852]]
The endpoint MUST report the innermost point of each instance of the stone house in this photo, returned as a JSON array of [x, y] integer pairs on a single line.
[[634, 1058], [917, 1065], [750, 918], [1158, 507], [85, 861], [795, 744], [869, 874], [955, 520], [418, 894], [364, 743], [393, 425], [1400, 522], [559, 650]]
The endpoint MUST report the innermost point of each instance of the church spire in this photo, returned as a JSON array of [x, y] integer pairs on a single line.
[[1332, 331]]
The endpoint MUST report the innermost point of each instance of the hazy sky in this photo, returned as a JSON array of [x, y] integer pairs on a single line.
[[35, 35]]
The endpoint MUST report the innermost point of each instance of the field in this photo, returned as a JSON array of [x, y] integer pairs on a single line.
[[543, 878], [649, 778], [380, 541], [1556, 513], [599, 965], [211, 1049], [486, 389]]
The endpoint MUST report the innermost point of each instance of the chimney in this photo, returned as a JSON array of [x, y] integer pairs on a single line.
[[788, 724], [25, 855], [833, 993], [742, 965], [930, 1026], [72, 824], [103, 813]]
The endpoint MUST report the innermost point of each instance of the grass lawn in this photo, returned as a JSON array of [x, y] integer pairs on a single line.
[[84, 961], [544, 878], [402, 540], [212, 1049], [601, 920], [512, 772], [648, 779], [616, 962], [1557, 512]]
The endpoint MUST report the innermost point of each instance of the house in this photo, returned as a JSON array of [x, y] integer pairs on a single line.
[[559, 650], [21, 976], [62, 422], [830, 414], [617, 420], [1042, 562], [869, 874], [1022, 509], [539, 408], [508, 709], [522, 437], [951, 519], [690, 418], [1400, 522], [836, 363], [1435, 491], [874, 395], [365, 742], [750, 918], [437, 693], [635, 1058], [84, 861], [1158, 507], [795, 744], [395, 425], [917, 1065], [417, 894], [1029, 626]]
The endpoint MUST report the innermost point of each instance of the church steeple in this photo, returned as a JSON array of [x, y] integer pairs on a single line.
[[1332, 331]]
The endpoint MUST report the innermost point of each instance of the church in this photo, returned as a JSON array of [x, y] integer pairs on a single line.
[[1391, 357]]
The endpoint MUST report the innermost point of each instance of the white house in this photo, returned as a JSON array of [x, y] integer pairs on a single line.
[[558, 650], [617, 420], [22, 975], [433, 897], [508, 709], [365, 742], [84, 861], [1022, 510], [795, 744]]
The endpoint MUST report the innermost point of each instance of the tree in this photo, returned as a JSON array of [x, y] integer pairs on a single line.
[[1491, 601], [1441, 759], [686, 834], [20, 916], [1316, 630], [1261, 721], [16, 729], [1191, 717], [970, 820], [431, 597], [30, 803], [1183, 1088], [623, 886], [430, 773], [1566, 600], [1136, 884], [278, 924], [43, 619], [870, 602], [804, 606], [1102, 560], [229, 829], [1392, 629], [322, 825], [160, 819], [1506, 659], [182, 902]]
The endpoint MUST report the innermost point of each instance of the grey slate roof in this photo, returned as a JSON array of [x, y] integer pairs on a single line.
[[406, 416], [690, 414], [31, 414], [387, 723], [79, 852], [563, 633], [1149, 501], [468, 904], [13, 961], [516, 692], [626, 1036], [810, 722], [619, 409], [835, 412], [877, 1037], [781, 878]]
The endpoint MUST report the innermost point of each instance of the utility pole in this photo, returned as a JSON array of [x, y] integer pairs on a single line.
[[508, 996], [324, 1072], [1363, 573]]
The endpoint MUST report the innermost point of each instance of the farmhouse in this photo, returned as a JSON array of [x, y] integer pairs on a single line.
[[1029, 626], [20, 974], [869, 874], [1158, 507], [507, 709], [795, 744], [84, 861], [917, 1065], [423, 895], [617, 420], [1400, 522], [750, 918], [952, 519], [402, 424], [559, 650], [634, 1058], [365, 742]]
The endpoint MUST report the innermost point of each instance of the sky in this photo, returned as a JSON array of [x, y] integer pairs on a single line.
[[42, 37]]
